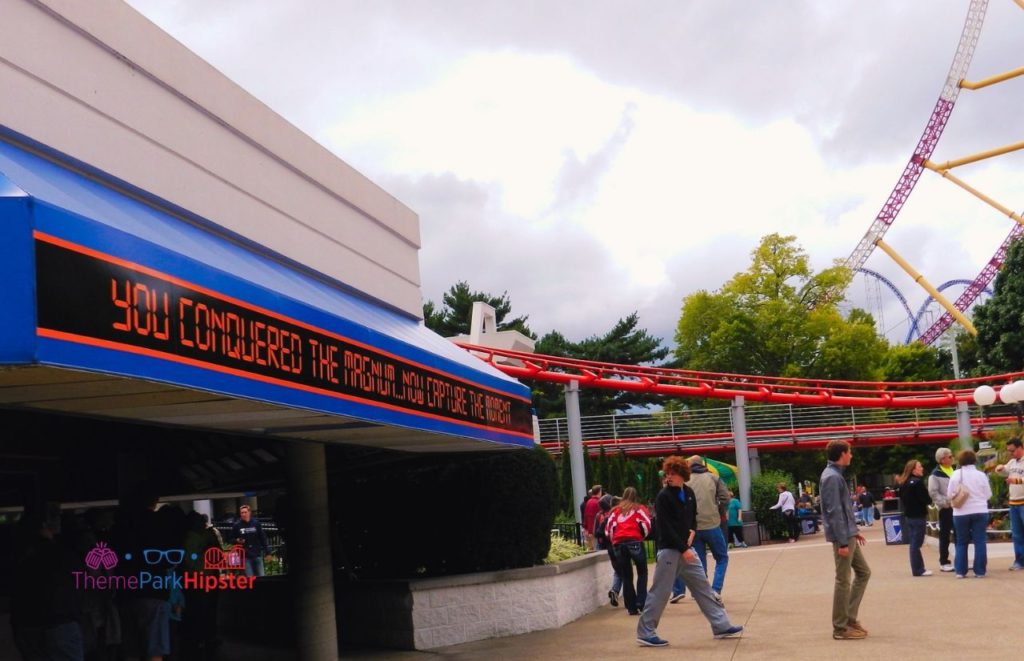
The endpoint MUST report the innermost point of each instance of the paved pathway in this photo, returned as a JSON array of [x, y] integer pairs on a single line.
[[782, 594]]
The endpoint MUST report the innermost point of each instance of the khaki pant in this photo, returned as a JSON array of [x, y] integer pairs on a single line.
[[846, 599]]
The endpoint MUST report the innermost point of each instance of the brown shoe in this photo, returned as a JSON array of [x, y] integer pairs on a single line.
[[854, 624], [849, 633]]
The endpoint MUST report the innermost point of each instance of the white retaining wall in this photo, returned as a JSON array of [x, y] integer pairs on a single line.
[[461, 609]]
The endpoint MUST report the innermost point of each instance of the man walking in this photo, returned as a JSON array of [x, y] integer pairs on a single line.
[[938, 483], [1014, 472], [676, 514], [841, 530], [712, 501]]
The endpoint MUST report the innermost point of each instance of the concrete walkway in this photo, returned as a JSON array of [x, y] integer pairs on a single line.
[[782, 594]]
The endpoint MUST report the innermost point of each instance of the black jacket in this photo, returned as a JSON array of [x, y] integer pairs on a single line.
[[914, 497], [675, 518]]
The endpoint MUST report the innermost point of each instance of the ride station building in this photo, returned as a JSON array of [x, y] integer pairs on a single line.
[[187, 276]]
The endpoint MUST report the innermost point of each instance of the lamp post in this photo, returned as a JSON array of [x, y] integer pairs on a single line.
[[983, 396], [1013, 393]]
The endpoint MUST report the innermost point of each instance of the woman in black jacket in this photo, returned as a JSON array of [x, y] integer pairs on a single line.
[[915, 500]]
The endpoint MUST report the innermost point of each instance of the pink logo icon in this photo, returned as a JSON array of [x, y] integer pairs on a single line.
[[233, 558], [101, 554]]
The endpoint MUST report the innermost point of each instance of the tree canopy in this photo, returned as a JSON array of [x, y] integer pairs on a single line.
[[765, 321], [625, 344], [1000, 341], [453, 317]]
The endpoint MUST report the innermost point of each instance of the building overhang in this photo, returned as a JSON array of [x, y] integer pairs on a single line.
[[117, 307]]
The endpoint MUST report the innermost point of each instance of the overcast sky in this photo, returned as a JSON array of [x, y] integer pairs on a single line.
[[594, 158]]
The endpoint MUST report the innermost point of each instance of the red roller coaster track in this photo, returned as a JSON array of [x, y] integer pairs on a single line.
[[773, 389]]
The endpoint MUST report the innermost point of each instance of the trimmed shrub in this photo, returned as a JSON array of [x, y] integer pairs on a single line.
[[764, 494], [451, 514]]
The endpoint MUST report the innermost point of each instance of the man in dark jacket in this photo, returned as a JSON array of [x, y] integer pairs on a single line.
[[676, 513], [248, 532]]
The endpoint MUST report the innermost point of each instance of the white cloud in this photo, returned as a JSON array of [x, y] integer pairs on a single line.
[[595, 158]]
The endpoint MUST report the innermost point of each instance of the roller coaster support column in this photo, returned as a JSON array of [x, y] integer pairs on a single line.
[[963, 426], [572, 417], [739, 432]]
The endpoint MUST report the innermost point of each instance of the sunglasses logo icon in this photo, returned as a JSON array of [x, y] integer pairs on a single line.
[[154, 556]]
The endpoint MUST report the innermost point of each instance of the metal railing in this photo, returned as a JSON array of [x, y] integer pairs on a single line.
[[765, 423]]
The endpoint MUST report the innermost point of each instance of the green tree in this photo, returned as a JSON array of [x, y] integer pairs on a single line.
[[852, 350], [453, 317], [916, 362], [764, 320], [998, 320]]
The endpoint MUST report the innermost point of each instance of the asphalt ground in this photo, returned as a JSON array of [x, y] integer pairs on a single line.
[[782, 595]]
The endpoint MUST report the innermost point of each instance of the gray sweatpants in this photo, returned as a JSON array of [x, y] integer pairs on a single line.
[[670, 564]]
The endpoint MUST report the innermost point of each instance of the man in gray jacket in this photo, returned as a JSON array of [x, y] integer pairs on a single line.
[[841, 530], [938, 483], [712, 501]]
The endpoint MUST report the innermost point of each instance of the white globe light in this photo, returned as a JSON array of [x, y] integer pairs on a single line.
[[1009, 393], [1018, 390], [984, 395]]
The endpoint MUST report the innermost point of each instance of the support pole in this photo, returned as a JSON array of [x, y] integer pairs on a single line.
[[963, 426], [739, 432], [755, 463], [309, 550], [572, 418]]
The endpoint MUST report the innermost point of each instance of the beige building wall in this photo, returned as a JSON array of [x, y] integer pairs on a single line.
[[97, 81]]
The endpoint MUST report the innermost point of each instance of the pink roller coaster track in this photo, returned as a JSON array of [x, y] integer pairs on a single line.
[[912, 172]]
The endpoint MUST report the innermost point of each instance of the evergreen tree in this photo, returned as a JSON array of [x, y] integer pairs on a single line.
[[453, 317]]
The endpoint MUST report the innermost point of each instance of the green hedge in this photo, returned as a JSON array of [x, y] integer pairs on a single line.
[[764, 494], [451, 514]]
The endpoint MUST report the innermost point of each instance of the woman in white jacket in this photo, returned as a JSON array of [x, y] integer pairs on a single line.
[[970, 519]]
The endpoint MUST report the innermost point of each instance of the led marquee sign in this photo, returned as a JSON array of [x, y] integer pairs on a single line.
[[88, 297]]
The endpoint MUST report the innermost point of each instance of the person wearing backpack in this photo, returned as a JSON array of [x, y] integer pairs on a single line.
[[603, 543], [628, 525]]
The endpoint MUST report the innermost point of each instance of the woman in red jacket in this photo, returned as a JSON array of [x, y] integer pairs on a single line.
[[628, 525]]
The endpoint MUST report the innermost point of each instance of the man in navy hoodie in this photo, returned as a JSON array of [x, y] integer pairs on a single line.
[[676, 515], [248, 532]]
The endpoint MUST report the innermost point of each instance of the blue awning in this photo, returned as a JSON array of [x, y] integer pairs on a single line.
[[98, 280]]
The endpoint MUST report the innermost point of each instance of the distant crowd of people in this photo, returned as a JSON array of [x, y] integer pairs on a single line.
[[686, 521]]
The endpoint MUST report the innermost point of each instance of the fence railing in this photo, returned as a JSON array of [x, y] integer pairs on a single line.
[[780, 418]]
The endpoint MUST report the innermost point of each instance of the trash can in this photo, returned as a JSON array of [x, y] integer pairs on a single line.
[[751, 534], [892, 525]]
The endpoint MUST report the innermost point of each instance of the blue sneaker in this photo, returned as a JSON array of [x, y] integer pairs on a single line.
[[731, 632], [676, 598], [651, 641]]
